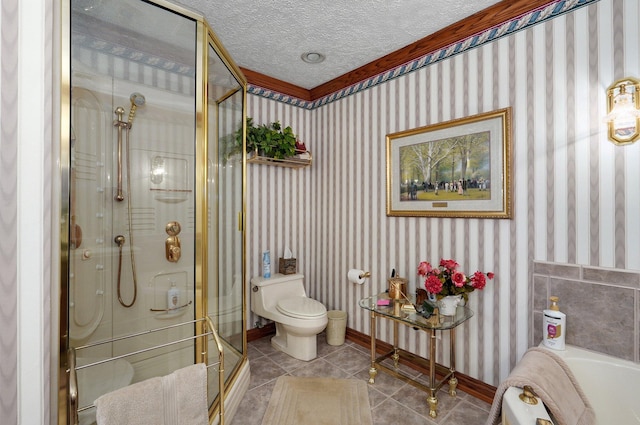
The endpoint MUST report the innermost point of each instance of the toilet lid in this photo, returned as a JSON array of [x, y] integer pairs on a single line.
[[302, 307]]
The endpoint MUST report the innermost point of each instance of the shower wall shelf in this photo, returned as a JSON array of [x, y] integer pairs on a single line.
[[292, 162], [167, 313]]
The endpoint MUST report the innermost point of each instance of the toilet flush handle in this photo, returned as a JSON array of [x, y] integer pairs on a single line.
[[254, 289]]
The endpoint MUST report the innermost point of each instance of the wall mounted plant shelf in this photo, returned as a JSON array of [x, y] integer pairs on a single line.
[[300, 160]]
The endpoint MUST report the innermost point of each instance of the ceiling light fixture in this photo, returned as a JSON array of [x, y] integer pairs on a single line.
[[312, 57]]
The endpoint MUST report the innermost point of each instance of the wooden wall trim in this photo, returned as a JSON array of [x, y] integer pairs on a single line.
[[257, 333], [270, 83], [492, 16], [474, 24]]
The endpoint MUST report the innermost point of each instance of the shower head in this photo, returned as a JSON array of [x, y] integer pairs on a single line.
[[137, 99]]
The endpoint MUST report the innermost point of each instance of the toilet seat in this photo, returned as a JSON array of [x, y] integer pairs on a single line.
[[301, 307]]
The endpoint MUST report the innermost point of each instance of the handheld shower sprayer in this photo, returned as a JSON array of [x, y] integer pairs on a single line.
[[137, 99]]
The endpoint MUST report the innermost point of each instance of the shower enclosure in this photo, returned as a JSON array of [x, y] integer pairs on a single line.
[[153, 187]]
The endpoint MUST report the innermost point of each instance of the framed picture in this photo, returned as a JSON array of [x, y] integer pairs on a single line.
[[459, 168]]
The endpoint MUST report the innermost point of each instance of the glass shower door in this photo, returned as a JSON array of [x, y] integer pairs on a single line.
[[225, 190], [132, 192], [156, 199]]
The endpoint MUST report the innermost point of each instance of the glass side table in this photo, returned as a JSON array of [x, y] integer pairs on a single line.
[[394, 312]]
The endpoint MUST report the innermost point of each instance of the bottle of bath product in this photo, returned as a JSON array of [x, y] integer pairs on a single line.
[[554, 326], [266, 265], [173, 298]]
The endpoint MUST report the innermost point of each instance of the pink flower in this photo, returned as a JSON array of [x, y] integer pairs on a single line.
[[458, 279], [478, 280], [433, 284], [424, 268], [490, 275], [448, 264]]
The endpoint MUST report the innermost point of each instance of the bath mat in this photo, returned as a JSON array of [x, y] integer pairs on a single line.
[[318, 401]]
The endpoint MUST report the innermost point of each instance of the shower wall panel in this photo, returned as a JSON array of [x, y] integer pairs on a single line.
[[159, 137]]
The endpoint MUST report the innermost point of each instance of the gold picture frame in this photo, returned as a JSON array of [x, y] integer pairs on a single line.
[[458, 168]]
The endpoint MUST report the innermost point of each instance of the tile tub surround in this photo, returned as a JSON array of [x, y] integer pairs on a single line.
[[391, 400], [602, 306]]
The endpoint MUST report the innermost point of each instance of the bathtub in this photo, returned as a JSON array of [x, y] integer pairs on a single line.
[[611, 385]]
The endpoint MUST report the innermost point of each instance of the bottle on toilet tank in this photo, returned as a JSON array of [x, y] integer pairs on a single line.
[[266, 265], [554, 326]]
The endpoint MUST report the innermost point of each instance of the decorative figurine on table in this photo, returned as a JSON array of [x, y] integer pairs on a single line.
[[423, 305], [434, 318]]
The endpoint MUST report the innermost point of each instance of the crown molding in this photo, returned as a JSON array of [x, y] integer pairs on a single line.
[[487, 25], [488, 18], [273, 84]]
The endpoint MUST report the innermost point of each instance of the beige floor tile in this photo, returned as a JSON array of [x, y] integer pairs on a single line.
[[392, 400]]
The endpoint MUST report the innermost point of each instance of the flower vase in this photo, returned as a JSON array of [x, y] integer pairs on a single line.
[[449, 304]]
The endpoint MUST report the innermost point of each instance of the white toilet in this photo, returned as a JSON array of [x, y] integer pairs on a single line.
[[299, 319]]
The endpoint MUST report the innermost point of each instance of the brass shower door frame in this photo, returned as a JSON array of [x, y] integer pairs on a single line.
[[205, 37]]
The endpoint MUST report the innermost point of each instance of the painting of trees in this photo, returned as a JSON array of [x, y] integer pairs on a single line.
[[458, 168], [457, 158]]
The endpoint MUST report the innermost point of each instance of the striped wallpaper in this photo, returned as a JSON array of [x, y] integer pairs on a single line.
[[29, 210], [575, 194], [575, 199], [9, 212]]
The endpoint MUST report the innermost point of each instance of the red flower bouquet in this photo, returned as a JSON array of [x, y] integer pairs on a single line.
[[448, 280]]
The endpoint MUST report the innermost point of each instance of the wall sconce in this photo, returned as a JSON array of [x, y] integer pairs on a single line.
[[623, 111]]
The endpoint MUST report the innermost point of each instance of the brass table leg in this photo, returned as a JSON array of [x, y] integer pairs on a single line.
[[453, 381], [372, 370], [433, 406], [396, 355], [432, 399]]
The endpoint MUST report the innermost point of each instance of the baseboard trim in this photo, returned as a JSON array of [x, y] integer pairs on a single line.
[[257, 333]]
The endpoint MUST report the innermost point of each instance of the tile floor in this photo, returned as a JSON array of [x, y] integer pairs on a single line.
[[392, 400]]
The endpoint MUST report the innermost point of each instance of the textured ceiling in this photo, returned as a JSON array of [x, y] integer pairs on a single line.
[[269, 36]]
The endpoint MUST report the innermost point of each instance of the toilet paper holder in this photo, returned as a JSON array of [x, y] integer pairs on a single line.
[[357, 276]]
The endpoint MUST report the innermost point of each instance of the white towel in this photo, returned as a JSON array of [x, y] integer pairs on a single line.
[[552, 380], [176, 399]]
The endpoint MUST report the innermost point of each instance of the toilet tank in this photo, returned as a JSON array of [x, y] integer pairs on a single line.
[[265, 293]]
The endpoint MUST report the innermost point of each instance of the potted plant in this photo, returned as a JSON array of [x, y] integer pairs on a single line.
[[269, 140]]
